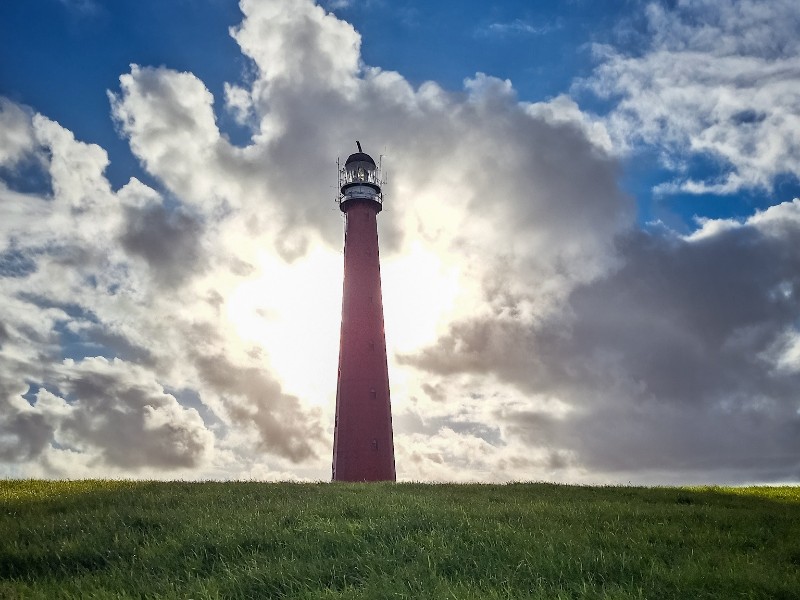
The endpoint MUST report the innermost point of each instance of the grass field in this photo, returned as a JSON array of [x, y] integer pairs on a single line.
[[123, 539]]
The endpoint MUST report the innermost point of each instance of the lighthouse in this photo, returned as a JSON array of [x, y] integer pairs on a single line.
[[363, 445]]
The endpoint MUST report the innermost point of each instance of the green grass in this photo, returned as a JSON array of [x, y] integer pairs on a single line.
[[123, 539]]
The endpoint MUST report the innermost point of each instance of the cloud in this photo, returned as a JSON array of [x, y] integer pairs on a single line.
[[118, 281], [558, 341], [149, 281], [16, 134], [682, 362], [253, 398], [488, 146], [168, 240], [516, 27], [715, 79], [168, 118], [117, 414], [85, 7], [129, 417], [24, 434], [336, 4]]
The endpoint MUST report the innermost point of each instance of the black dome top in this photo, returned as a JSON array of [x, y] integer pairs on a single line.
[[359, 157]]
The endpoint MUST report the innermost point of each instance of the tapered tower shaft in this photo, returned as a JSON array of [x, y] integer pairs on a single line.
[[363, 447]]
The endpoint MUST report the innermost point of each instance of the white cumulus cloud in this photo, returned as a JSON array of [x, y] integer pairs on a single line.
[[558, 341], [718, 79]]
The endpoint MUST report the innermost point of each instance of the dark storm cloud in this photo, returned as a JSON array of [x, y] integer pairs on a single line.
[[694, 319], [130, 420], [109, 413], [118, 345], [3, 334], [253, 398], [670, 362], [169, 240], [24, 434]]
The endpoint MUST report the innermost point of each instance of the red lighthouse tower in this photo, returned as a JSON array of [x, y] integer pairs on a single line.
[[363, 446]]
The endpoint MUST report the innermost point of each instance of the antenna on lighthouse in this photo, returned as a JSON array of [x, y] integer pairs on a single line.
[[359, 146]]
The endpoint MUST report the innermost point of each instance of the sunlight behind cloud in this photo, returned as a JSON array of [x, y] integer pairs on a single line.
[[292, 312], [536, 328], [419, 294]]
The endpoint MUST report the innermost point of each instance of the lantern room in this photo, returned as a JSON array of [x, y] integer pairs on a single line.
[[360, 179]]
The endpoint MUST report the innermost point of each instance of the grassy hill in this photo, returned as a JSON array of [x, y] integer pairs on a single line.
[[123, 539]]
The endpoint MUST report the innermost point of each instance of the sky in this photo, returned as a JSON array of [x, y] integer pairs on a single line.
[[590, 242]]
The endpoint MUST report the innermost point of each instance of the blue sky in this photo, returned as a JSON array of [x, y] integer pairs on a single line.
[[543, 48], [591, 229]]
